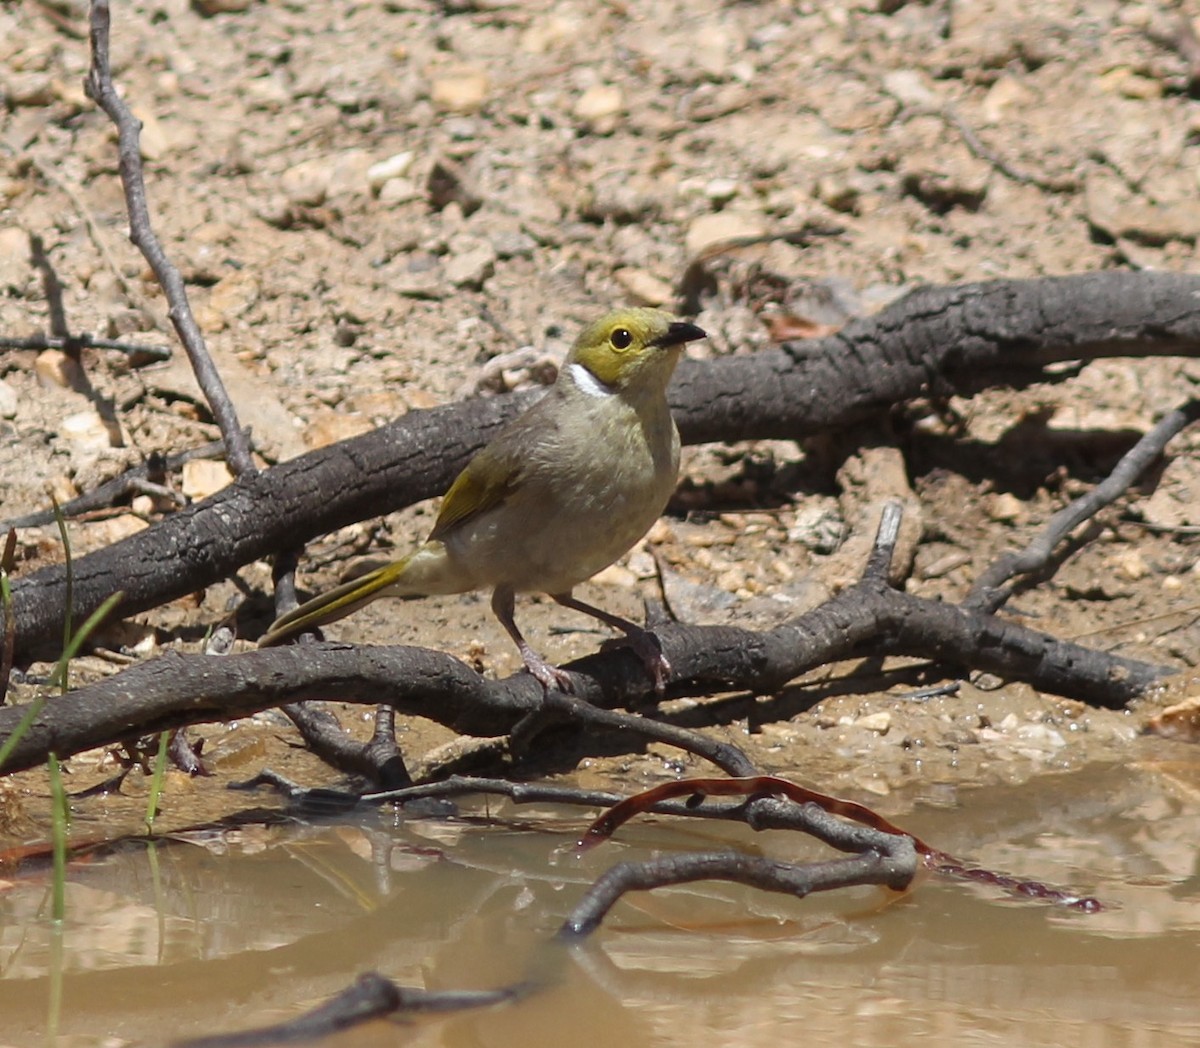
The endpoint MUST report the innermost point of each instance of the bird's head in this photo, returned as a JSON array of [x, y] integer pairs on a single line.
[[629, 350]]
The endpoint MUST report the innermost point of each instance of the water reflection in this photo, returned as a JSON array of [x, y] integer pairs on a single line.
[[251, 926]]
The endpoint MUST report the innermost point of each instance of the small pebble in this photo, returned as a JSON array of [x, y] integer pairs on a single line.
[[472, 261], [89, 432], [721, 190], [8, 400], [53, 367], [461, 90], [1132, 565], [1005, 508], [513, 243], [645, 288], [329, 427], [384, 171], [708, 230], [599, 107], [208, 8], [204, 477], [880, 722]]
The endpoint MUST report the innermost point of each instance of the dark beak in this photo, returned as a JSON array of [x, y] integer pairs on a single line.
[[679, 332]]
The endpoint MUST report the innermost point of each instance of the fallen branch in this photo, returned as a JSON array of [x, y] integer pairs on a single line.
[[947, 339], [894, 868], [868, 618], [74, 343]]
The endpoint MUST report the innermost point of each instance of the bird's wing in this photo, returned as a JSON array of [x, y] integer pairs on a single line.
[[487, 481]]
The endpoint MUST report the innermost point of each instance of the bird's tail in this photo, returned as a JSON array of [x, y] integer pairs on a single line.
[[336, 604]]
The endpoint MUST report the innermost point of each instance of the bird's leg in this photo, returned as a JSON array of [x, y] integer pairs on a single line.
[[644, 643], [550, 677]]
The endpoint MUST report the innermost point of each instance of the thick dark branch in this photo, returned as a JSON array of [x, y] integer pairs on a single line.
[[941, 339], [867, 618], [99, 87]]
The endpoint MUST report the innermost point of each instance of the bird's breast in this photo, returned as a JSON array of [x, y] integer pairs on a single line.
[[590, 489]]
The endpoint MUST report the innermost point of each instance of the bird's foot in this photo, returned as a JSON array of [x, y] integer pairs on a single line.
[[551, 678], [646, 647], [644, 644]]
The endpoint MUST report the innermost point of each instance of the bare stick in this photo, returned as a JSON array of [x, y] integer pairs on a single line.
[[990, 590], [379, 760], [370, 996], [138, 479], [99, 87], [989, 156], [893, 863], [727, 757], [71, 343]]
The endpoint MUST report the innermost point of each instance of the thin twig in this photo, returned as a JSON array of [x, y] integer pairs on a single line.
[[726, 756], [99, 87], [131, 481], [894, 867], [370, 997], [984, 152], [990, 590], [72, 343]]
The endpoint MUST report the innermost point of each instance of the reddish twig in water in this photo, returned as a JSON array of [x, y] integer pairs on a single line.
[[773, 786], [748, 786], [99, 87]]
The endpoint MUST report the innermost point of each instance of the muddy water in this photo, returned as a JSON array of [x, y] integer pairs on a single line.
[[228, 930]]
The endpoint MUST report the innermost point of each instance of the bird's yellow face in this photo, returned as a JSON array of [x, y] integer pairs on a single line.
[[632, 349]]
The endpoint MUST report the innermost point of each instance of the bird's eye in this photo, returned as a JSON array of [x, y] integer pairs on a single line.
[[621, 338]]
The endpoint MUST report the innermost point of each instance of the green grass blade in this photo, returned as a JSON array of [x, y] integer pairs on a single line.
[[7, 563], [70, 566], [156, 783], [22, 727], [35, 707], [60, 813]]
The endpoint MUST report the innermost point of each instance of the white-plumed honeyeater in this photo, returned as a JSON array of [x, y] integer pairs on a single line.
[[558, 495]]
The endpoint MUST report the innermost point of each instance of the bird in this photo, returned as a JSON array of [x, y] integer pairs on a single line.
[[562, 492]]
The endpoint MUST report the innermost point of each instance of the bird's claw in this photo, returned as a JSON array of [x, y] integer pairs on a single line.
[[647, 648], [551, 678]]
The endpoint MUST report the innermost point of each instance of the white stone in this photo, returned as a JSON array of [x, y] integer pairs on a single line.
[[8, 400], [204, 477], [395, 166], [877, 722], [708, 230], [599, 103], [89, 432]]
